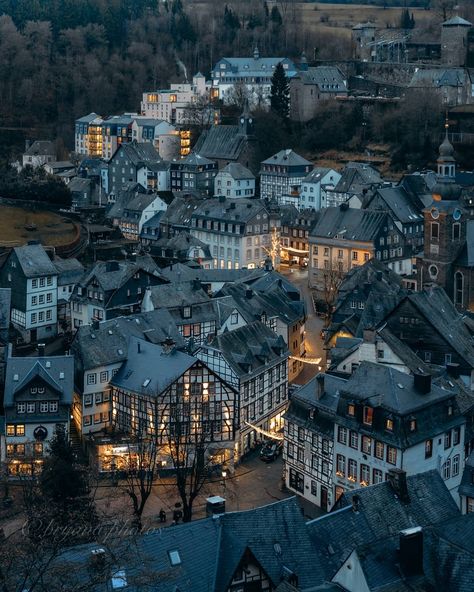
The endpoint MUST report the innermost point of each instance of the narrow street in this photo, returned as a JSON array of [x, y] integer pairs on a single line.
[[314, 324]]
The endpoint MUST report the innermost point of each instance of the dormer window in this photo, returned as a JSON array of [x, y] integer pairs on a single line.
[[186, 312], [412, 424], [389, 424], [174, 557], [368, 415], [351, 409], [450, 409], [33, 390]]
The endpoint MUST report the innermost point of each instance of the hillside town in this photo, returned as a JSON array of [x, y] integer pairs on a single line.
[[229, 363]]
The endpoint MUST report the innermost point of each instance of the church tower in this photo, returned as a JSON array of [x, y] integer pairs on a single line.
[[246, 121]]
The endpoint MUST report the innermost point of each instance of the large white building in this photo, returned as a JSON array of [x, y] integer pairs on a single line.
[[177, 104], [234, 180], [249, 78], [345, 433], [236, 230]]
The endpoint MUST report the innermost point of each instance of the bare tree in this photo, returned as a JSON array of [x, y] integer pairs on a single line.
[[444, 8], [332, 277], [239, 95], [201, 113]]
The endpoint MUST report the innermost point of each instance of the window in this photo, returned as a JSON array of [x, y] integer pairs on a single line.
[[53, 407], [447, 440], [379, 450], [20, 408], [98, 398], [458, 287], [364, 475], [355, 255], [412, 424], [351, 409], [368, 415], [49, 315], [377, 476], [456, 465], [41, 316], [342, 435], [34, 283], [30, 407], [174, 557], [456, 231], [446, 469], [186, 312], [366, 445], [87, 400], [428, 448], [434, 231], [42, 282], [391, 455], [389, 424], [352, 472], [38, 449], [300, 434], [456, 436], [470, 505], [34, 300], [296, 481], [325, 447], [91, 378], [15, 429], [427, 357], [234, 319], [314, 488], [354, 440], [44, 406], [104, 376], [340, 465], [34, 318]]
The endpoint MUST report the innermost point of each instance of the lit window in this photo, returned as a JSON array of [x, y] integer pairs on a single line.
[[389, 424], [379, 450], [351, 409], [368, 415], [391, 455], [446, 469], [428, 448]]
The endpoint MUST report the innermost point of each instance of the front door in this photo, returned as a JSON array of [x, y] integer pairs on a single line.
[[324, 498]]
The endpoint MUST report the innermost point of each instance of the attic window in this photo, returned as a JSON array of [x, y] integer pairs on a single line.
[[351, 409], [146, 382], [174, 557], [15, 377], [120, 352], [368, 415], [389, 424], [412, 424], [186, 312], [61, 375], [119, 580], [48, 364]]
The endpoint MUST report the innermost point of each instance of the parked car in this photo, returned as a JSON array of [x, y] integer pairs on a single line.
[[271, 450]]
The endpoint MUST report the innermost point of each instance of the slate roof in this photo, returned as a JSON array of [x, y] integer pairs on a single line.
[[177, 294], [139, 153], [405, 353], [349, 224], [108, 344], [181, 272], [59, 375], [237, 171], [253, 304], [287, 157], [179, 212], [381, 516], [182, 242], [456, 21], [239, 209], [255, 66], [112, 279], [250, 348], [88, 118], [316, 175], [400, 203], [80, 185], [149, 362], [357, 176], [466, 486], [41, 148], [140, 201], [70, 271], [328, 78], [195, 159], [435, 305], [224, 142], [439, 77], [34, 261], [125, 194]]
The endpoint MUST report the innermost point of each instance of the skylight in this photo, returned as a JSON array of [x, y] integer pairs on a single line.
[[175, 558], [119, 580]]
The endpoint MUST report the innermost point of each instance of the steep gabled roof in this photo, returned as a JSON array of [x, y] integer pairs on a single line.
[[221, 142], [34, 261], [287, 157], [349, 224]]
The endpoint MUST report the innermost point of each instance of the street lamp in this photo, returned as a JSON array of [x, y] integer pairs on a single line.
[[224, 484]]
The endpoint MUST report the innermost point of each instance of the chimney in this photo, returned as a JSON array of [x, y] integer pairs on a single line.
[[168, 346], [95, 324], [320, 386], [248, 293], [41, 347], [221, 198], [453, 370], [411, 551], [196, 285], [344, 206], [355, 503], [98, 559], [132, 257], [422, 382], [398, 482], [369, 335], [379, 276], [232, 205], [139, 347]]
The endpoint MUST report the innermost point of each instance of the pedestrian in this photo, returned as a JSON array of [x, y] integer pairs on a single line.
[[162, 515], [177, 515]]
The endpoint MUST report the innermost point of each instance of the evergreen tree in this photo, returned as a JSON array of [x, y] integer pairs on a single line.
[[275, 16], [412, 21], [280, 93], [405, 20]]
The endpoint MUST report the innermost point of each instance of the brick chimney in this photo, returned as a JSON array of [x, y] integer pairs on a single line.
[[398, 482]]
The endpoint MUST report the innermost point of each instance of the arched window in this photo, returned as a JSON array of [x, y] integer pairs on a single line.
[[458, 288]]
